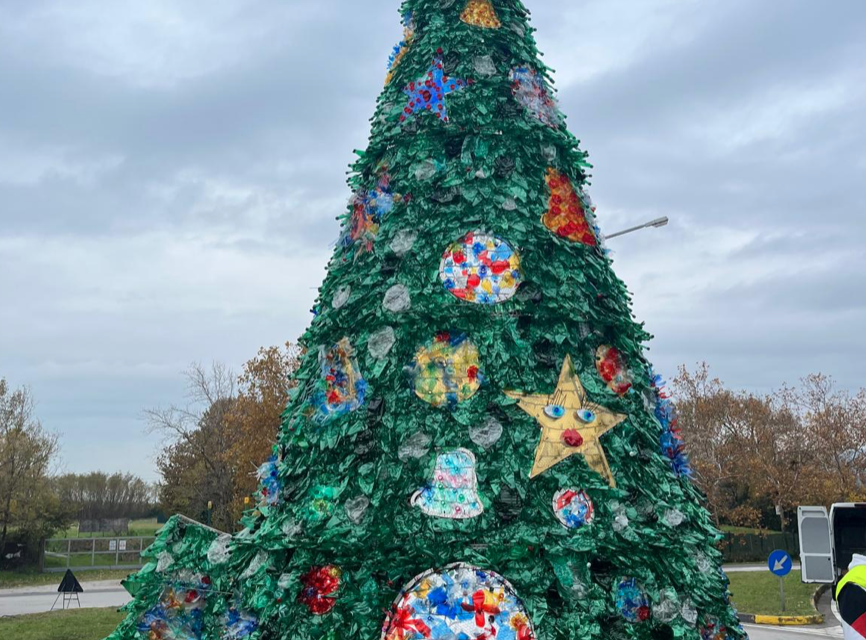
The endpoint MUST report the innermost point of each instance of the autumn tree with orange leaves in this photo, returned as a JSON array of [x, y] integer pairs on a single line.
[[753, 453]]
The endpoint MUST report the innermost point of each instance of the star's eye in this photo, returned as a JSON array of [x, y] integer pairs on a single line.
[[555, 411], [585, 415]]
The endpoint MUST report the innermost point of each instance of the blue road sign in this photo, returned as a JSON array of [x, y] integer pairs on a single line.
[[780, 563]]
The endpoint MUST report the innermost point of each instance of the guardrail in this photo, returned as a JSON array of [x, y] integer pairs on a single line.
[[89, 554]]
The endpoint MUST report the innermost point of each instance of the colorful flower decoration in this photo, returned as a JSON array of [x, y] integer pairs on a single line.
[[612, 369], [566, 214], [320, 587], [238, 623], [342, 389], [713, 629], [482, 269], [631, 601], [269, 482], [402, 47], [428, 94], [480, 13], [573, 508], [368, 210], [453, 494], [180, 610], [446, 371], [671, 440], [529, 90], [459, 601], [320, 504]]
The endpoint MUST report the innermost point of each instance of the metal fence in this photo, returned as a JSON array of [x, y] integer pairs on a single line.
[[752, 547], [88, 554]]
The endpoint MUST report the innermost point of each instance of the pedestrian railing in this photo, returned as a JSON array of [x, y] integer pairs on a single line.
[[88, 554]]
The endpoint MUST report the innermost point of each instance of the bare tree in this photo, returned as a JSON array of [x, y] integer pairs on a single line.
[[194, 462]]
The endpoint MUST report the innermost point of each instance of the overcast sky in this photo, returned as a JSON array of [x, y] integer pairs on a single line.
[[171, 171]]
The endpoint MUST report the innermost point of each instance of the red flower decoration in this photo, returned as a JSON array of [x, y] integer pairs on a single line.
[[643, 613], [612, 368], [320, 586], [480, 608]]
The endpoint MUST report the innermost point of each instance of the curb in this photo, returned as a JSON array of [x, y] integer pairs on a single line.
[[782, 620]]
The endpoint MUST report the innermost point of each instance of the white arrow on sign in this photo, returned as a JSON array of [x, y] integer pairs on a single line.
[[780, 564]]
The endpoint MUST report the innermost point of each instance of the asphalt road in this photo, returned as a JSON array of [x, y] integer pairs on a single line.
[[16, 602]]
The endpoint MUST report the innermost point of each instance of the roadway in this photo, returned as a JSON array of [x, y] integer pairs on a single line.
[[25, 600]]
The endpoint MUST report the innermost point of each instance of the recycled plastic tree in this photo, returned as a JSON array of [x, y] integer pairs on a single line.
[[476, 447]]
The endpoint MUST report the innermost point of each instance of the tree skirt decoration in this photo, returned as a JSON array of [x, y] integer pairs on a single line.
[[671, 440], [573, 508], [320, 587], [453, 494], [343, 387], [179, 613], [612, 369], [631, 601], [570, 424], [566, 215], [269, 482], [480, 13], [446, 370], [529, 90], [481, 268], [459, 601], [428, 94], [402, 47], [368, 210]]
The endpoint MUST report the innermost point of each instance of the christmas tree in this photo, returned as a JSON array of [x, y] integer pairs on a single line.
[[476, 447]]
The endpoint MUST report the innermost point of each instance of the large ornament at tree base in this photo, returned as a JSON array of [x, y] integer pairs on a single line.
[[428, 94], [613, 370], [566, 216], [481, 269], [459, 601], [453, 494], [570, 424], [446, 371], [480, 13]]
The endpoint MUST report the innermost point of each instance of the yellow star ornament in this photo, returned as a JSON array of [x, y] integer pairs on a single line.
[[570, 424]]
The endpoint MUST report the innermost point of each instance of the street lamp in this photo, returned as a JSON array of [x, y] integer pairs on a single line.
[[658, 222]]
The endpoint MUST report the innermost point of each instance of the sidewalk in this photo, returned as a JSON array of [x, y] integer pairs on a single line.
[[25, 600]]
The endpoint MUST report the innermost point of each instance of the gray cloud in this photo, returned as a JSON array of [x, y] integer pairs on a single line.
[[170, 175]]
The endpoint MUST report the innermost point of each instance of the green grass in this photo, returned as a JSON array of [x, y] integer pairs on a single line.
[[78, 624], [146, 527], [726, 528], [758, 592], [32, 578]]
